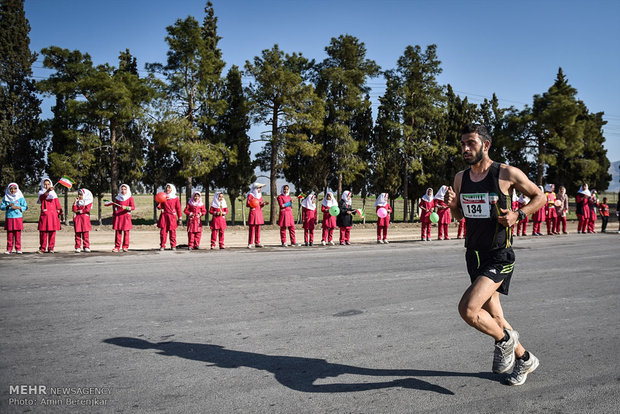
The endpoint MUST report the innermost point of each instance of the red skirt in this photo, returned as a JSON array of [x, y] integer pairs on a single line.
[[13, 224]]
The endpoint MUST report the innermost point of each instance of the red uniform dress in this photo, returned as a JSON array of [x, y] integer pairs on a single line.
[[604, 209], [218, 225], [537, 218], [327, 225], [461, 230], [425, 217], [550, 213], [593, 205], [168, 221], [286, 219], [82, 227], [383, 223], [560, 212], [309, 219], [522, 225], [49, 222], [255, 219], [583, 212], [14, 223], [121, 222], [443, 211], [194, 224], [515, 207]]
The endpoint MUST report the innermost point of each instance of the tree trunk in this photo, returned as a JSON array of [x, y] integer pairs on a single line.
[[113, 159], [406, 190], [154, 204], [207, 203], [189, 189], [99, 196], [414, 207], [233, 198], [273, 163], [339, 185]]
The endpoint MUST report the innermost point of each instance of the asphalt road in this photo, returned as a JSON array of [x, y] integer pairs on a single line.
[[359, 329]]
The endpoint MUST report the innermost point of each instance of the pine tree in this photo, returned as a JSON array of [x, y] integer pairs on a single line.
[[21, 136], [237, 169], [283, 100], [342, 81]]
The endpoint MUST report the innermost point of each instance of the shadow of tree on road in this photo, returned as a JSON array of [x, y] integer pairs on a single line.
[[297, 373]]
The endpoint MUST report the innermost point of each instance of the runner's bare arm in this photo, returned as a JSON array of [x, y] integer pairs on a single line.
[[452, 197], [519, 181]]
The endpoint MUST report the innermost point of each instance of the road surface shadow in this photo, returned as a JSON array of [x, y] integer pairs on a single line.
[[298, 373]]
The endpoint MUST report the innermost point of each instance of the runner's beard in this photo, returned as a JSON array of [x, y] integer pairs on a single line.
[[475, 160]]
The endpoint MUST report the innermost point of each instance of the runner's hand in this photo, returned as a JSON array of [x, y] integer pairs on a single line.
[[450, 198], [508, 217]]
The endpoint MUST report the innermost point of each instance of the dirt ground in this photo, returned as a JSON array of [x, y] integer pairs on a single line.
[[147, 237]]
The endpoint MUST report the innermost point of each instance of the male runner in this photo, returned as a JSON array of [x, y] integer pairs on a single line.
[[481, 195]]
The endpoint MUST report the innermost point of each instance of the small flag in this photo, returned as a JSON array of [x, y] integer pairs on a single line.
[[107, 203], [301, 196], [66, 182], [360, 212]]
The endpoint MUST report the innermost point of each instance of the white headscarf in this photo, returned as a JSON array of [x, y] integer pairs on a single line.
[[87, 197], [254, 191], [381, 200], [426, 197], [515, 197], [194, 203], [215, 203], [584, 190], [441, 193], [282, 190], [331, 202], [345, 197], [173, 192], [548, 188], [524, 199], [12, 198], [120, 196], [309, 202], [51, 195]]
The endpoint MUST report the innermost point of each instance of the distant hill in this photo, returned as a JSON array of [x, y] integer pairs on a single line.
[[614, 170]]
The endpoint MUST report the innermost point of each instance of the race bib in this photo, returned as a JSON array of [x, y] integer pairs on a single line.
[[476, 205]]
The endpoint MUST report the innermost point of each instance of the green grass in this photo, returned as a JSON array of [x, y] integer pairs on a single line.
[[143, 215]]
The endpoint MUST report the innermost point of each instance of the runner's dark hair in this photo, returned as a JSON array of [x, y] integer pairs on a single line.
[[479, 129]]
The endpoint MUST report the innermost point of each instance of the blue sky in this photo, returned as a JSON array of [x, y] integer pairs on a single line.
[[511, 48]]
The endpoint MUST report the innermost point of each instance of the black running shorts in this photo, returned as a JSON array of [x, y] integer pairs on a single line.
[[497, 265]]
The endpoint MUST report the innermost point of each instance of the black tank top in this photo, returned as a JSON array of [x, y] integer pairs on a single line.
[[481, 203]]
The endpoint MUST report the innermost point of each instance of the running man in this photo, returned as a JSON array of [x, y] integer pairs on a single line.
[[481, 194]]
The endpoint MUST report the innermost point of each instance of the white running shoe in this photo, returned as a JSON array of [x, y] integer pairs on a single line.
[[323, 242], [522, 368], [77, 250], [86, 249], [504, 353]]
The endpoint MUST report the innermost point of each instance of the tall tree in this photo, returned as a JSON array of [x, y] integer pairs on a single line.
[[191, 69], [237, 169], [422, 110], [21, 136], [342, 81], [286, 102]]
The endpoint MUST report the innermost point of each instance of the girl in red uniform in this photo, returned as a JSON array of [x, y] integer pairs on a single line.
[[329, 222], [286, 219], [121, 215], [194, 210], [49, 221], [219, 210], [443, 212], [461, 230], [81, 219], [550, 212], [255, 219], [383, 222], [538, 217], [583, 209], [309, 218], [604, 209], [593, 204], [561, 210], [514, 206], [522, 226], [14, 204], [169, 218], [427, 204]]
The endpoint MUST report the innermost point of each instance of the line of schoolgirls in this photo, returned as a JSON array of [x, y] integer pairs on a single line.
[[553, 213]]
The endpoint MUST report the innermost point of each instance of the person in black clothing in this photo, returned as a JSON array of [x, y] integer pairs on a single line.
[[345, 219], [481, 195]]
